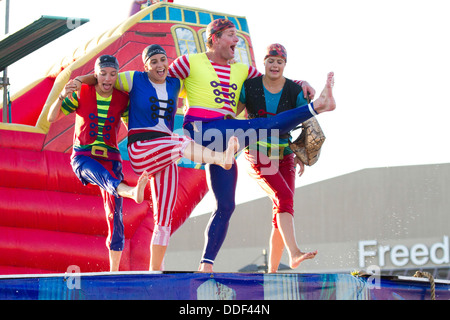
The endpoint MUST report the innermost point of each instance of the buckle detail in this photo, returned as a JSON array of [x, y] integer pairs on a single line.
[[275, 156], [103, 151]]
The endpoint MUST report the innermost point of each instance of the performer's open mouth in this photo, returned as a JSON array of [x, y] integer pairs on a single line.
[[161, 72], [107, 86]]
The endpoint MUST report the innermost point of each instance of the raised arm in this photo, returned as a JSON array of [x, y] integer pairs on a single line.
[[89, 79], [55, 112]]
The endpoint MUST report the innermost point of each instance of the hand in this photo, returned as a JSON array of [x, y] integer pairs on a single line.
[[69, 88], [300, 164], [308, 91], [77, 83]]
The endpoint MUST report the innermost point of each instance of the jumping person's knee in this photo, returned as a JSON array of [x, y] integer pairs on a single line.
[[226, 209]]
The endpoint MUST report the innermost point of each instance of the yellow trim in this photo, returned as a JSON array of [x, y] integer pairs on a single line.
[[195, 9], [200, 34], [20, 127]]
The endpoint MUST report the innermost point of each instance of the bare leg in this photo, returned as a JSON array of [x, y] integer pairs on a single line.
[[276, 250], [136, 193], [286, 226], [157, 256], [326, 100], [198, 153], [114, 260]]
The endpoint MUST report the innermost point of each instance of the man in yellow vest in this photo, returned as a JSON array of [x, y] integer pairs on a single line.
[[212, 89]]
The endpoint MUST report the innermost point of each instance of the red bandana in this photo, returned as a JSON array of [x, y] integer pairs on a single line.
[[218, 25], [276, 50]]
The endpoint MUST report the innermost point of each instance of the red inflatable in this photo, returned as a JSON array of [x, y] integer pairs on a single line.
[[50, 221]]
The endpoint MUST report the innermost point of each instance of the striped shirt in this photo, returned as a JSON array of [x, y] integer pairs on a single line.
[[70, 105], [180, 69]]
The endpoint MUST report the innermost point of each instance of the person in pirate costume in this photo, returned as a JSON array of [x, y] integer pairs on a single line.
[[213, 87], [273, 163], [152, 145], [95, 157]]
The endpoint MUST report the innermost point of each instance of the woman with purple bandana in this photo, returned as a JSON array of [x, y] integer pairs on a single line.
[[272, 163], [213, 88]]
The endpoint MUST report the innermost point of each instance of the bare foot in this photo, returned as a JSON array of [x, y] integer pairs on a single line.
[[233, 147], [205, 267], [139, 190], [326, 100], [295, 261]]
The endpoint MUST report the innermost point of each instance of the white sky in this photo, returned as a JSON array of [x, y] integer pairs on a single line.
[[391, 60]]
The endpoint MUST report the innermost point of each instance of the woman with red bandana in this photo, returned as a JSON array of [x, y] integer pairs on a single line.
[[213, 88], [272, 162]]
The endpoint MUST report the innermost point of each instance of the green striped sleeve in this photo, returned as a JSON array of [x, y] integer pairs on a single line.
[[69, 104]]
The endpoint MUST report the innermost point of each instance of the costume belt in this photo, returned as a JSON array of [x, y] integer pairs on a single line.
[[278, 155], [98, 152]]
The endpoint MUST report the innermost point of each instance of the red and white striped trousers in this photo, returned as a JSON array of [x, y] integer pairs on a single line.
[[158, 157]]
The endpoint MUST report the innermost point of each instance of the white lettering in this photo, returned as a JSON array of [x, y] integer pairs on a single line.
[[419, 254], [363, 253], [399, 255], [445, 253], [207, 311], [381, 258], [373, 282], [246, 309], [73, 23], [72, 277]]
